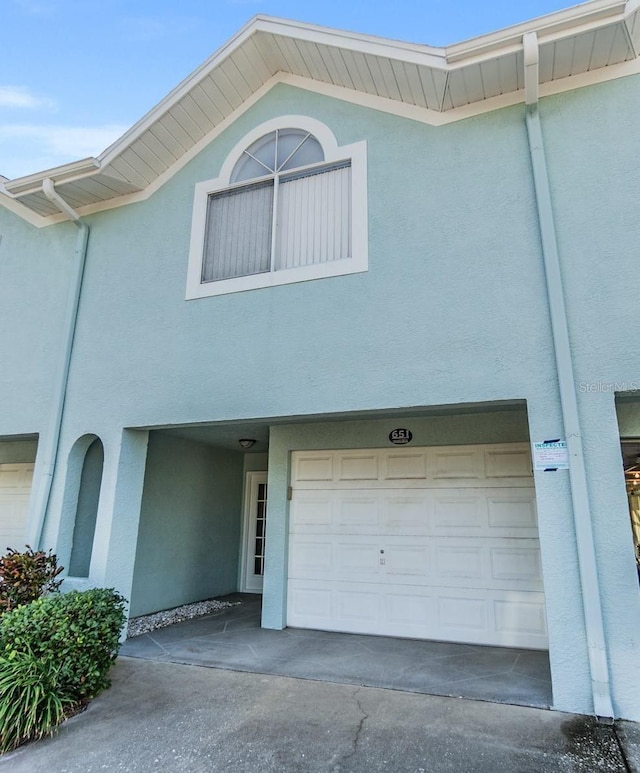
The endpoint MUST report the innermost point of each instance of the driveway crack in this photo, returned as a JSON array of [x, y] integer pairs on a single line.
[[357, 734]]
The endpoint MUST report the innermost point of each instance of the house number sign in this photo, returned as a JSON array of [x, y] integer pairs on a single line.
[[400, 437]]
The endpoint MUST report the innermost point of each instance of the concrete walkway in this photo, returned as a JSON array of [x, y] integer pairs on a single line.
[[161, 716], [233, 639]]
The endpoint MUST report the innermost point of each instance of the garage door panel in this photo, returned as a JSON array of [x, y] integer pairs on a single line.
[[503, 619], [457, 464], [356, 512], [15, 488], [507, 463], [441, 562], [497, 511], [13, 516], [406, 513], [314, 512], [311, 605], [402, 560], [442, 544], [313, 467], [515, 511], [403, 465], [311, 557], [357, 607], [357, 466], [334, 557], [457, 562], [453, 511], [407, 612], [458, 613], [517, 564], [354, 559], [513, 617]]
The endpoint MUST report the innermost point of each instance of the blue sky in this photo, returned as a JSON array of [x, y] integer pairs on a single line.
[[76, 74]]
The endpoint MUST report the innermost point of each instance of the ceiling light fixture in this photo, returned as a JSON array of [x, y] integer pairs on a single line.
[[246, 442]]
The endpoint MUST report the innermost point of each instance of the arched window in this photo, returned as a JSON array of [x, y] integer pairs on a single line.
[[282, 211]]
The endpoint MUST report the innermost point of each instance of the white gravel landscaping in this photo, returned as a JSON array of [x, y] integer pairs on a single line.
[[146, 623]]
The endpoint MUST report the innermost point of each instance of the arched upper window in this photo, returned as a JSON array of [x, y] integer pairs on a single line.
[[276, 152], [282, 211]]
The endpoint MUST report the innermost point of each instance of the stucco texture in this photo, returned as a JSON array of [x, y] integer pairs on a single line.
[[189, 535], [452, 311]]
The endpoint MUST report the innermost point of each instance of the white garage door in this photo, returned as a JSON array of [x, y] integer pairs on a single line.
[[15, 487], [434, 543]]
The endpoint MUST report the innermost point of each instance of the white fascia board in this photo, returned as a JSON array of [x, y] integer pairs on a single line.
[[413, 53], [561, 23], [174, 96], [13, 205], [515, 46], [32, 183]]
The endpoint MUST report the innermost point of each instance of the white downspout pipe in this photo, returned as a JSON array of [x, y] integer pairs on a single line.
[[52, 440], [587, 561]]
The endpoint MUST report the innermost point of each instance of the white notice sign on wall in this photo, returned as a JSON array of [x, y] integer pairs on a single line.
[[551, 455]]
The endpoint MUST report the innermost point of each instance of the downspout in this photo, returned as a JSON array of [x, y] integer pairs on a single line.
[[53, 438], [594, 624]]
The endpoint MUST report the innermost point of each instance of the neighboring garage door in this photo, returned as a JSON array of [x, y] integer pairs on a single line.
[[15, 487], [432, 543]]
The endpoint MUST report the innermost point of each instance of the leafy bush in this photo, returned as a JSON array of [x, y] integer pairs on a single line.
[[27, 576], [55, 654], [32, 703], [78, 631]]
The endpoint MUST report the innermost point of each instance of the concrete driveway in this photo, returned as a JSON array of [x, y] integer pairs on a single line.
[[176, 718]]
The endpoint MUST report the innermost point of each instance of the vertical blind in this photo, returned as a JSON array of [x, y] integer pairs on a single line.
[[238, 233], [313, 224], [314, 219]]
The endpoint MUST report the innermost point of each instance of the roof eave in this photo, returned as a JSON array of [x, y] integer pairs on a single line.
[[561, 24], [64, 173]]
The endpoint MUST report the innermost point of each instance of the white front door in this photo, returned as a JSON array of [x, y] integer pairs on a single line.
[[15, 488], [255, 521], [432, 543]]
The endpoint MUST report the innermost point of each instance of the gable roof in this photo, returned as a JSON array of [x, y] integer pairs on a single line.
[[434, 85]]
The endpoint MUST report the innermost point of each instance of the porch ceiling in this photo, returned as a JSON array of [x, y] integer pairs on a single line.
[[227, 434]]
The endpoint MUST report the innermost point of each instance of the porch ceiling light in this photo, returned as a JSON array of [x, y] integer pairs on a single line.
[[246, 442]]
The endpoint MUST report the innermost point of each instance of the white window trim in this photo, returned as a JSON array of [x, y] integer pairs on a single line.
[[359, 260]]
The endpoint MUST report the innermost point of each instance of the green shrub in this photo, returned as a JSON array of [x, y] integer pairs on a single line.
[[26, 576], [78, 631], [32, 702]]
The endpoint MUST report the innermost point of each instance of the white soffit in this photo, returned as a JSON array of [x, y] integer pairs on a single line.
[[440, 82]]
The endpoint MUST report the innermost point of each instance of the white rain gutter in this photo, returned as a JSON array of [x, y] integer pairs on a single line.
[[594, 624], [50, 452]]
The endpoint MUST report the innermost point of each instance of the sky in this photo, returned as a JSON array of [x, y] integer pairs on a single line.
[[76, 74]]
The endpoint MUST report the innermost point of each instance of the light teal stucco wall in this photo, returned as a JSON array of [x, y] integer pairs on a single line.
[[451, 311], [34, 272], [189, 534], [256, 462]]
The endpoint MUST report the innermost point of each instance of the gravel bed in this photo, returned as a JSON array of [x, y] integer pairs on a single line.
[[146, 623]]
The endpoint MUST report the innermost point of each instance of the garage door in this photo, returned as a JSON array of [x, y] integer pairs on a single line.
[[15, 487], [435, 543]]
